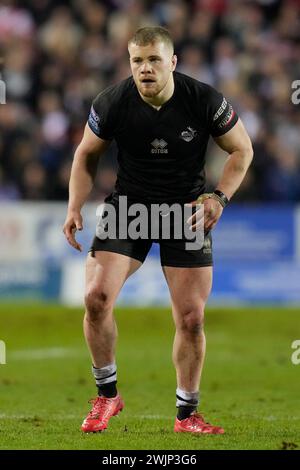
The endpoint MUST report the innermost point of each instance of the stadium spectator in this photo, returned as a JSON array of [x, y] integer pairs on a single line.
[[57, 55]]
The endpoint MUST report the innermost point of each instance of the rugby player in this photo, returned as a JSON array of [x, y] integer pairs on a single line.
[[161, 121]]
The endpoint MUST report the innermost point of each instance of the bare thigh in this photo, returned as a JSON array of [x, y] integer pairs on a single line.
[[189, 289], [106, 273]]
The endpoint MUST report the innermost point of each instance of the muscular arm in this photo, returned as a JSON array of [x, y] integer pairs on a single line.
[[82, 177], [84, 168], [237, 143]]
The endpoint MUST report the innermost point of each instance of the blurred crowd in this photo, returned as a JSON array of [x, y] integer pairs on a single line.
[[57, 56]]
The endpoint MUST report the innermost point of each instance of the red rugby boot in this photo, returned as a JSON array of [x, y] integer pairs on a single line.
[[195, 424], [103, 409]]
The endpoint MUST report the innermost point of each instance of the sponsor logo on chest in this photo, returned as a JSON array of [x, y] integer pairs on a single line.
[[159, 146]]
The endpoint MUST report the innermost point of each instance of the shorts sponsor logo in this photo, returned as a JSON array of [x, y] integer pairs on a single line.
[[189, 134], [151, 222], [159, 146], [207, 246]]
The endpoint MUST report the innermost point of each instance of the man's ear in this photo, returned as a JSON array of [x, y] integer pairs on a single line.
[[174, 62]]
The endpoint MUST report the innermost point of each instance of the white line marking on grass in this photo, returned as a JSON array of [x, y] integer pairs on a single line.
[[37, 417], [45, 353]]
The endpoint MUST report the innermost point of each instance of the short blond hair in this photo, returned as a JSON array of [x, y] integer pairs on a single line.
[[151, 35]]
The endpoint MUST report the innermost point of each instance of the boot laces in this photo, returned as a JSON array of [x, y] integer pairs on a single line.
[[196, 417], [100, 407]]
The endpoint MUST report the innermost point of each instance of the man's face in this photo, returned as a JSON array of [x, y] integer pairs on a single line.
[[151, 67]]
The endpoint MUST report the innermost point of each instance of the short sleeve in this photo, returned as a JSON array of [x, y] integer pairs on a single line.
[[100, 119], [221, 115]]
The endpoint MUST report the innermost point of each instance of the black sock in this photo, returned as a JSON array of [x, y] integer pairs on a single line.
[[106, 379], [185, 411], [108, 390]]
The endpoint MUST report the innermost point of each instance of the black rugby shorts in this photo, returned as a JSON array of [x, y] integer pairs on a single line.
[[173, 252]]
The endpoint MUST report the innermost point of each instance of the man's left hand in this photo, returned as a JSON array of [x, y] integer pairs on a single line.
[[211, 212]]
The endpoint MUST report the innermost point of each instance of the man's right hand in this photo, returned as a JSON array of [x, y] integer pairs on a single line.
[[73, 222]]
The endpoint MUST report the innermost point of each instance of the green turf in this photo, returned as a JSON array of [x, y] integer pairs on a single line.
[[249, 384]]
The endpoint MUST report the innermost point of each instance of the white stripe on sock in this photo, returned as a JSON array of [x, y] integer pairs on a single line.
[[183, 398], [105, 374]]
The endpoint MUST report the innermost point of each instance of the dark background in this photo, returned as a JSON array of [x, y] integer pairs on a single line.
[[57, 56]]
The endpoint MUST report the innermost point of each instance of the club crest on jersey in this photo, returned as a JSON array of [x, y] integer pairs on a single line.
[[159, 146], [189, 134]]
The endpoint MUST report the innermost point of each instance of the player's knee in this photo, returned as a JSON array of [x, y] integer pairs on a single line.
[[98, 303], [192, 321]]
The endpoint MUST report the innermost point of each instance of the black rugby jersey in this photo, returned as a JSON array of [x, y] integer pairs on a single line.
[[161, 153]]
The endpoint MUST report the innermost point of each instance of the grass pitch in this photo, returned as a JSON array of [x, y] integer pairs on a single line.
[[249, 386]]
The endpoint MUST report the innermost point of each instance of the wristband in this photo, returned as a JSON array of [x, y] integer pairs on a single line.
[[221, 197]]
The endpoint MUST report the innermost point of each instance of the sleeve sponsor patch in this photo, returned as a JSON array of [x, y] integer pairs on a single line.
[[220, 110], [223, 116], [94, 121], [227, 118]]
